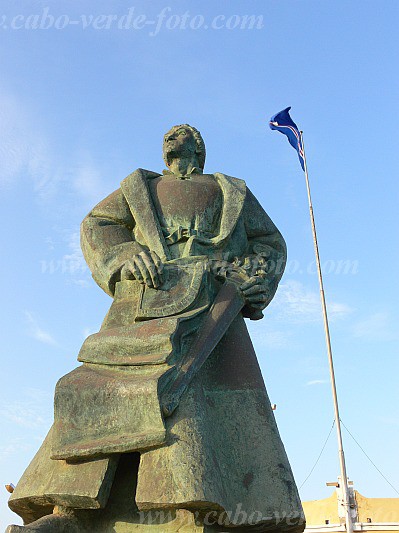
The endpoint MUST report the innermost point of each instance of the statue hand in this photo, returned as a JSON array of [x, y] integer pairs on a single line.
[[145, 267], [256, 292]]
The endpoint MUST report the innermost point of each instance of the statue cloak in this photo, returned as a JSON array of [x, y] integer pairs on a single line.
[[221, 448]]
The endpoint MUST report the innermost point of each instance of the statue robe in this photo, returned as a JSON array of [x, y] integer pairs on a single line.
[[221, 448]]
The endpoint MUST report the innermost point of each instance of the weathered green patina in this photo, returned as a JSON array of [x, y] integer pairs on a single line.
[[168, 411]]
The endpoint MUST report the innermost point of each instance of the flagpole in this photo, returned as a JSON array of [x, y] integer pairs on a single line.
[[348, 518]]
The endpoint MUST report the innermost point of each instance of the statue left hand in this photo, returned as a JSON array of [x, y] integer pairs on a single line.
[[256, 292]]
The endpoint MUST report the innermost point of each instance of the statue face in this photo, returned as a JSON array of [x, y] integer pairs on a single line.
[[179, 142]]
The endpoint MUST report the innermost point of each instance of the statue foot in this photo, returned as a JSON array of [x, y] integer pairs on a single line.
[[60, 522]]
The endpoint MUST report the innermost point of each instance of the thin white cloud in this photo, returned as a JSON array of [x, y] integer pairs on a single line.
[[50, 243], [313, 367], [269, 338], [81, 282], [71, 263], [316, 382], [37, 332], [389, 420], [297, 303], [88, 331], [376, 327], [74, 261], [24, 150], [12, 446], [88, 180], [28, 409], [15, 150]]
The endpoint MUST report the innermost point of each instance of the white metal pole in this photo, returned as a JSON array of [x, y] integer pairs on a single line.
[[348, 518]]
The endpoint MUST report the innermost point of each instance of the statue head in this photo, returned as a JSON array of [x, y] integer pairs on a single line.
[[183, 141]]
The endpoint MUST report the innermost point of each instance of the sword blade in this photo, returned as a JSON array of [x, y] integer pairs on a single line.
[[228, 303]]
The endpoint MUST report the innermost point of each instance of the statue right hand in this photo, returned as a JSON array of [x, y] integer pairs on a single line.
[[145, 267]]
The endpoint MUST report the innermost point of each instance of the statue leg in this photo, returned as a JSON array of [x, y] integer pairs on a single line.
[[121, 515], [47, 483]]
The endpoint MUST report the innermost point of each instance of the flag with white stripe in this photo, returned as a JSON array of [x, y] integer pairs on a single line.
[[283, 123]]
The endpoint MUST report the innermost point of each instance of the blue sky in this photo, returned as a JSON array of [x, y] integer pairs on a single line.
[[83, 107]]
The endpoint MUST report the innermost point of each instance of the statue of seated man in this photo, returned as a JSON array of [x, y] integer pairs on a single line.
[[166, 425]]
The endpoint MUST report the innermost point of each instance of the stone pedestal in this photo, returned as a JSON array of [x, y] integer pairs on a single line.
[[162, 521]]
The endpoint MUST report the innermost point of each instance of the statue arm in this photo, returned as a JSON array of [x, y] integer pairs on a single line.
[[107, 240], [264, 239], [266, 251]]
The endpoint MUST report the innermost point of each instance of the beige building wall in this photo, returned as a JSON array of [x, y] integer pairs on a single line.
[[373, 514], [318, 511]]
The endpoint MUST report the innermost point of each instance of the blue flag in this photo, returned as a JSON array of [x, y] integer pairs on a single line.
[[283, 123]]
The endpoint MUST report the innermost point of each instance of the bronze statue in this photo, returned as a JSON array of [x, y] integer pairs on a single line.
[[167, 423]]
